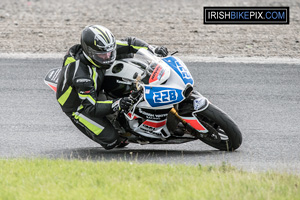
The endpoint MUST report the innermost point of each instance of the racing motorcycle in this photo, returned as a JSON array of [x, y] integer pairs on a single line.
[[167, 109]]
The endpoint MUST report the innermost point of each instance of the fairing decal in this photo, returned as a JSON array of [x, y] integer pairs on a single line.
[[157, 74], [131, 116], [195, 124], [160, 96], [52, 86], [51, 78], [179, 67], [154, 123], [152, 129]]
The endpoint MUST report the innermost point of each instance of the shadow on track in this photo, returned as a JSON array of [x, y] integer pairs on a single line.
[[126, 154]]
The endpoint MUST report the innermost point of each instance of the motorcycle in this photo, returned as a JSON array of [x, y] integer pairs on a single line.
[[167, 110]]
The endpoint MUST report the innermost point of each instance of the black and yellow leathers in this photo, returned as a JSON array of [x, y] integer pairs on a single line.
[[79, 88]]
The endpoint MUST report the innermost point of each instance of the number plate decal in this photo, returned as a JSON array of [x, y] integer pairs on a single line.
[[161, 96]]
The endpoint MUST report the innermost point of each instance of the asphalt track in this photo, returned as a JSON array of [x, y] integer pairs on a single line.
[[263, 99]]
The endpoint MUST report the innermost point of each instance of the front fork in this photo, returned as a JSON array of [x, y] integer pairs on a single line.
[[187, 113]]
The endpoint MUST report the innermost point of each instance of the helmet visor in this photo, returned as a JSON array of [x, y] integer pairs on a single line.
[[104, 57]]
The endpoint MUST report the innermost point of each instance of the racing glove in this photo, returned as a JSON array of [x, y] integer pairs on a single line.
[[122, 104], [160, 51]]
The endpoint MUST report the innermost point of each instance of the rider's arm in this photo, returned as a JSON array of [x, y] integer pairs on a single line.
[[86, 92], [84, 83], [95, 108], [132, 45]]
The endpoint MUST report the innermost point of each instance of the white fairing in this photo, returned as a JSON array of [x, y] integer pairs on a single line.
[[168, 80], [129, 69]]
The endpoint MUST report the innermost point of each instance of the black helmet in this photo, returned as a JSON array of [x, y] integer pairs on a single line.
[[99, 45]]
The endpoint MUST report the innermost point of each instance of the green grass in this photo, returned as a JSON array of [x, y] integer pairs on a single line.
[[75, 179]]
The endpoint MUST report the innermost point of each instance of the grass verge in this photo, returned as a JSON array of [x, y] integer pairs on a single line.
[[75, 179]]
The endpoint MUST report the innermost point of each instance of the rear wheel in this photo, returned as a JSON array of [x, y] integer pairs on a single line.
[[223, 133]]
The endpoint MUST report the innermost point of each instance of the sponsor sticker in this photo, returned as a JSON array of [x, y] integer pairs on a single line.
[[199, 103]]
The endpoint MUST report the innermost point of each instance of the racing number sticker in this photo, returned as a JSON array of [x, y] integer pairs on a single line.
[[160, 96], [179, 67], [184, 71], [165, 96]]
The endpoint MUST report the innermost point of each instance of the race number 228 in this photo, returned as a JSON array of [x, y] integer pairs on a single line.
[[165, 96]]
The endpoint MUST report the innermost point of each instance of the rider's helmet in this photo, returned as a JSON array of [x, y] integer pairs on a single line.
[[99, 45]]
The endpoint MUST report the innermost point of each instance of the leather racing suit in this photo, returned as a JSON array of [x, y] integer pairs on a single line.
[[79, 87]]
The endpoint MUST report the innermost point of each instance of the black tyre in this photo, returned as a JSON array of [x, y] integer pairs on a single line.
[[223, 133]]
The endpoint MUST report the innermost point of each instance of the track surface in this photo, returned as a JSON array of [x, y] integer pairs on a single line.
[[263, 99]]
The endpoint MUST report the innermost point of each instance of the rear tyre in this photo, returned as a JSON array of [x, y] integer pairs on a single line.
[[223, 133]]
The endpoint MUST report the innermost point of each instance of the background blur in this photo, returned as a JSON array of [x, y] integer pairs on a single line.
[[50, 26]]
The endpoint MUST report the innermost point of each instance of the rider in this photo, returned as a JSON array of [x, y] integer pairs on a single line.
[[80, 82]]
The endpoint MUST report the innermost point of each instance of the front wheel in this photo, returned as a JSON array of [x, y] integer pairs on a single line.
[[223, 133]]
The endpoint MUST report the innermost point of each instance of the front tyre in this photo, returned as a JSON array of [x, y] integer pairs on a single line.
[[223, 133]]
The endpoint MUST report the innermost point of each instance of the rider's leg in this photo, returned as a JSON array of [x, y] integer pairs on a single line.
[[98, 129]]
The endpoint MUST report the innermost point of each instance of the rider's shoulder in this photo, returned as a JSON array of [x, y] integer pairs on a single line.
[[74, 50], [72, 54]]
